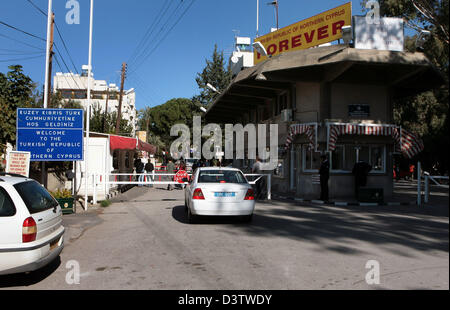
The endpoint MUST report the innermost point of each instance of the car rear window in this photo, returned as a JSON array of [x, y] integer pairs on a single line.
[[6, 205], [221, 176], [35, 196]]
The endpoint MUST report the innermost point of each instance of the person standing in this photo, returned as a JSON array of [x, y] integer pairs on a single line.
[[324, 172], [256, 169], [170, 169], [149, 167], [140, 171]]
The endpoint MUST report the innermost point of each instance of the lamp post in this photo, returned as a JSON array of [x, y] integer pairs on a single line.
[[88, 116]]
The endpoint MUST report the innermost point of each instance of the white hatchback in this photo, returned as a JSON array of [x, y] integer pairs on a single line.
[[31, 231], [219, 191]]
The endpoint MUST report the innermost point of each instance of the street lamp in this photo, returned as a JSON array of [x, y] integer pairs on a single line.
[[422, 38], [347, 34], [212, 88], [260, 48]]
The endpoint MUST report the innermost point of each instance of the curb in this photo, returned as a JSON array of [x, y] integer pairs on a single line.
[[344, 203]]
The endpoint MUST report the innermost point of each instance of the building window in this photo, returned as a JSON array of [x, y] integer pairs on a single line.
[[97, 96], [67, 94], [116, 159], [80, 94], [344, 157], [310, 159]]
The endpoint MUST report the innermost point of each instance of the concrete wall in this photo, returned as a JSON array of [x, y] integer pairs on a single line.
[[375, 96], [307, 102]]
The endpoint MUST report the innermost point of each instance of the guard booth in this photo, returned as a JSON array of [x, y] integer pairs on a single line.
[[335, 100]]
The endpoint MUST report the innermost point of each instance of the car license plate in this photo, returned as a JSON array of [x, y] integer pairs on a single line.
[[224, 194]]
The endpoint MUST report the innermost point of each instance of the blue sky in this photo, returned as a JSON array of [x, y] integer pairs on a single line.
[[171, 68]]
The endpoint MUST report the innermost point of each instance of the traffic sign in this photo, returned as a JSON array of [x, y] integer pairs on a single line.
[[51, 134]]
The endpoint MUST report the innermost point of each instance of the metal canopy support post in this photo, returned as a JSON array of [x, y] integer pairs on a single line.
[[419, 181]]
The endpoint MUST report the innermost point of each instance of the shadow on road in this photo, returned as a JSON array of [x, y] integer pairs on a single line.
[[28, 279], [380, 226]]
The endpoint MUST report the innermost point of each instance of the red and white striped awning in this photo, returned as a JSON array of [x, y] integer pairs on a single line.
[[310, 129], [408, 143]]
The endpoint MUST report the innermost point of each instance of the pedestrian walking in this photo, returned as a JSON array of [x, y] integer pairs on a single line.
[[149, 167], [170, 169], [324, 172]]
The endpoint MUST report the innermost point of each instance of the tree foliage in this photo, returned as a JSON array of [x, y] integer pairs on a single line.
[[215, 73], [16, 91], [160, 119], [102, 122]]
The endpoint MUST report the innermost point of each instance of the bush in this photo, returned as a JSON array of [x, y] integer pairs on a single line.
[[105, 203], [62, 194]]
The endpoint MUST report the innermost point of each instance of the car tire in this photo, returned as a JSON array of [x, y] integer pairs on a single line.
[[191, 217], [247, 218]]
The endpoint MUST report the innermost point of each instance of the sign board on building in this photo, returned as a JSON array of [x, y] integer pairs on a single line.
[[386, 35], [359, 110], [141, 135], [51, 134], [18, 163], [316, 30]]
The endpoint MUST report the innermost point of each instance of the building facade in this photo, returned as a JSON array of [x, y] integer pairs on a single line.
[[104, 96]]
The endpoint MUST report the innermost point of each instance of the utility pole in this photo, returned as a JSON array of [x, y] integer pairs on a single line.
[[48, 88], [119, 111], [106, 110], [50, 61]]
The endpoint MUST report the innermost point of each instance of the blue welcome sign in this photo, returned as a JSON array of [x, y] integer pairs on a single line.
[[51, 134]]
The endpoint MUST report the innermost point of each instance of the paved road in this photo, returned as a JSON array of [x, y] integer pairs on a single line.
[[144, 242]]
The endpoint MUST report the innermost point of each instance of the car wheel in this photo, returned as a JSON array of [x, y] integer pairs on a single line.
[[191, 217], [247, 218]]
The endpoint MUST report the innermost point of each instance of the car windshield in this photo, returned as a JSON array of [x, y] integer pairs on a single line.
[[35, 196], [221, 176]]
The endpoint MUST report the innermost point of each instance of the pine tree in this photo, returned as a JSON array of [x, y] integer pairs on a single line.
[[215, 73]]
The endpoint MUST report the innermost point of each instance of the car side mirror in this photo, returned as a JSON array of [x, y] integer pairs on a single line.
[[186, 180]]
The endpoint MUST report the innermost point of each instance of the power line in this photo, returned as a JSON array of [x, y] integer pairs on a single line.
[[164, 37], [21, 42], [149, 31], [22, 31], [148, 42], [59, 34], [67, 67], [37, 8], [22, 59], [65, 47]]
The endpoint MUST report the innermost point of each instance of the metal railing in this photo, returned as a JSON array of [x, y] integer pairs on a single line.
[[108, 179], [432, 178]]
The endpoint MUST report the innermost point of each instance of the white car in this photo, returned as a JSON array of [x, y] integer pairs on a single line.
[[215, 191], [31, 231]]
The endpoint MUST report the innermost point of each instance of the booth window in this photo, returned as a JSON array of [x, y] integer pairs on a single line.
[[116, 159], [310, 159], [344, 157], [127, 160]]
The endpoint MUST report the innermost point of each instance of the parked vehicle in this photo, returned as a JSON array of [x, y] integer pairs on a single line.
[[31, 230], [215, 191]]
